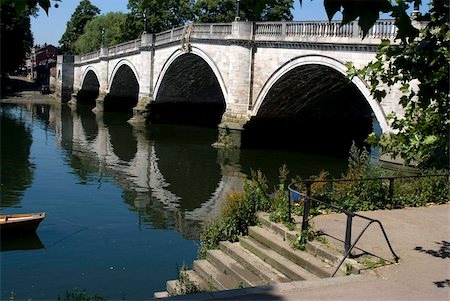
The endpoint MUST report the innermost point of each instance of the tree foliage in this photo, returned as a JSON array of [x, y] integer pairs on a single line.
[[84, 12], [161, 15], [16, 38], [419, 66], [217, 11], [21, 6], [111, 25]]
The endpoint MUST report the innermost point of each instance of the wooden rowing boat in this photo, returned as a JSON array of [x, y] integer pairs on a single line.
[[18, 224]]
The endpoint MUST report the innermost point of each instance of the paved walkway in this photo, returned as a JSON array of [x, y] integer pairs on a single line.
[[419, 236]]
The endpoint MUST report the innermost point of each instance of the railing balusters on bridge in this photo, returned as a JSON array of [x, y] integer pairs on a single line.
[[212, 29], [124, 47], [274, 31], [382, 29]]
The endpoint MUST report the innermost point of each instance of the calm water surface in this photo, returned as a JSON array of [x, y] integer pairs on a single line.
[[123, 204]]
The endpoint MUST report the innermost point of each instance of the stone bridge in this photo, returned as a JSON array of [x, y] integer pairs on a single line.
[[237, 75]]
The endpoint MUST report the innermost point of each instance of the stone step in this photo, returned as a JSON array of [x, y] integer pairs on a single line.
[[231, 267], [276, 243], [197, 284], [253, 263], [279, 262], [215, 278], [173, 287], [160, 295], [314, 247]]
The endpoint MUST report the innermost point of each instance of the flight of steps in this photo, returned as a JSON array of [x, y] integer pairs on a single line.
[[263, 257]]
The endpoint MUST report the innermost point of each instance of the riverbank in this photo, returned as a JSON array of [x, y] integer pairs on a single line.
[[420, 236], [19, 89]]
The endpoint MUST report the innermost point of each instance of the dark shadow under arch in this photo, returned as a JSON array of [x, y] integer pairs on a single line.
[[124, 91], [189, 94], [89, 89], [311, 108]]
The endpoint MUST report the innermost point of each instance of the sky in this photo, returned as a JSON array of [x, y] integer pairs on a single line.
[[50, 28]]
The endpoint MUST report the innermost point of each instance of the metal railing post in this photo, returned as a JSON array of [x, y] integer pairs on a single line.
[[348, 233], [289, 206], [391, 189], [306, 207]]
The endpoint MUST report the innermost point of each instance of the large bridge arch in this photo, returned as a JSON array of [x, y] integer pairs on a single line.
[[89, 87], [121, 63], [327, 62], [196, 51], [189, 89], [123, 87], [309, 104]]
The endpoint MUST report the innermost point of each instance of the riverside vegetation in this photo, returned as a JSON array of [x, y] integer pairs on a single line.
[[239, 210]]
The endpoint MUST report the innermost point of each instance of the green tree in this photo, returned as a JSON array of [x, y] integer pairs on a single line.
[[23, 5], [84, 12], [420, 67], [218, 11], [16, 38], [111, 25], [161, 15]]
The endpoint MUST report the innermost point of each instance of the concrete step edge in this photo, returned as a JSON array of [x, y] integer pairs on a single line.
[[161, 295], [302, 258], [316, 248], [231, 267], [253, 263], [276, 260], [212, 276]]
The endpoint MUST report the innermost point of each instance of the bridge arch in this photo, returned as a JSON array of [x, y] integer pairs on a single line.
[[327, 62], [308, 104], [121, 63], [90, 86], [123, 87], [189, 90], [196, 51]]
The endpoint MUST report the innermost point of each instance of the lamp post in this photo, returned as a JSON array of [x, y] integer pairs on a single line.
[[238, 10], [103, 37], [415, 13], [144, 15]]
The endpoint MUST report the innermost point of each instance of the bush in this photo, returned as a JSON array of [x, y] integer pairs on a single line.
[[356, 194]]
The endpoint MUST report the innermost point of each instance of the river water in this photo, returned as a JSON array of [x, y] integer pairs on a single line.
[[124, 204]]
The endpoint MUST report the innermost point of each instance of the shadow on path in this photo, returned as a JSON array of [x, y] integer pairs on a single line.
[[13, 86], [443, 252]]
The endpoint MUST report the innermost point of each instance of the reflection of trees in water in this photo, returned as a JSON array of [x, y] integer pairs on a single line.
[[16, 171]]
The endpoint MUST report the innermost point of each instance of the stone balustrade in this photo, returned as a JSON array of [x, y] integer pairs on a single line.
[[124, 47], [304, 31]]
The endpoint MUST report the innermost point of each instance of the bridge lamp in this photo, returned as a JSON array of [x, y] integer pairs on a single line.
[[415, 13], [238, 10], [144, 15], [103, 37]]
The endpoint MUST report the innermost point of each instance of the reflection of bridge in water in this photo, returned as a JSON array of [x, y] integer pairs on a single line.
[[144, 165]]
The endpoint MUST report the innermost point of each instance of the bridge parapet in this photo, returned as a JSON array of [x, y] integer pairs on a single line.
[[304, 31], [324, 31], [124, 47]]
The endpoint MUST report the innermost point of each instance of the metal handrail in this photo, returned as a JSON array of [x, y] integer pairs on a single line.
[[391, 179], [348, 246]]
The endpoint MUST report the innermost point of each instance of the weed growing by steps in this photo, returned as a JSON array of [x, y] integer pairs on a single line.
[[238, 212], [306, 235], [186, 286]]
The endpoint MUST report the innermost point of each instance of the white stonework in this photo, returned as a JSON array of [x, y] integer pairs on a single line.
[[246, 58]]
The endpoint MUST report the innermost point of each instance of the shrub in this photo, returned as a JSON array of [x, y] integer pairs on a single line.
[[279, 209]]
